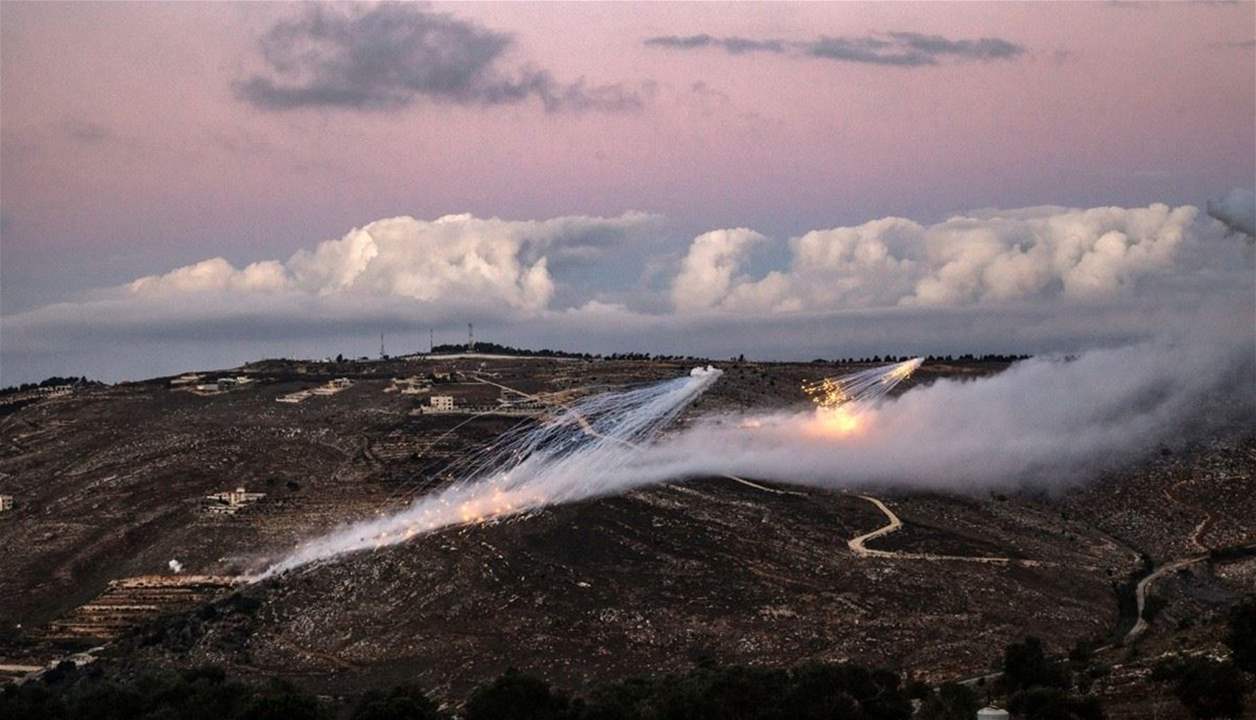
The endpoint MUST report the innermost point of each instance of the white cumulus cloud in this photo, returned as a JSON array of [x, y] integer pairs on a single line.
[[1237, 210], [706, 273], [461, 259], [977, 258]]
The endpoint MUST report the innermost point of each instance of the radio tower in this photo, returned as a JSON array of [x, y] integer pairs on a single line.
[[470, 337], [381, 347], [431, 340]]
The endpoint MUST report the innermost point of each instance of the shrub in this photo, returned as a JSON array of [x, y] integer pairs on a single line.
[[1026, 665], [1052, 703], [401, 703], [515, 696], [1208, 688], [1241, 635], [951, 702]]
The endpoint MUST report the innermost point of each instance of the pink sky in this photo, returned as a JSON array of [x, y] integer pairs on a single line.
[[126, 152]]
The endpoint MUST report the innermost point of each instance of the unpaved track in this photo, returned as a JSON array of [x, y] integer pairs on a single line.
[[1140, 593], [858, 545], [1196, 542]]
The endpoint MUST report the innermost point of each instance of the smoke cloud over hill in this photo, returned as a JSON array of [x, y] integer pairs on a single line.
[[1045, 422]]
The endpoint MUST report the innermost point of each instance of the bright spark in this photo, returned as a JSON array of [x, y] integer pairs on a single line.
[[844, 404], [573, 455]]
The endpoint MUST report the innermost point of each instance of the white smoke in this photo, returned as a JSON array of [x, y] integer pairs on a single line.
[[572, 456], [176, 567], [1048, 422], [1045, 422]]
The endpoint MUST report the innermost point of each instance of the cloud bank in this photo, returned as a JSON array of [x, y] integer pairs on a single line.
[[387, 56], [990, 257], [456, 259], [1237, 210], [1030, 280], [897, 49]]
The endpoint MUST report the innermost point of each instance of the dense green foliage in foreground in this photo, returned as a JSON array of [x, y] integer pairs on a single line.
[[816, 691], [1037, 685]]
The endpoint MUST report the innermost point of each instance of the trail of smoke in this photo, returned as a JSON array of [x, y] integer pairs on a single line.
[[865, 386], [1047, 422], [569, 457]]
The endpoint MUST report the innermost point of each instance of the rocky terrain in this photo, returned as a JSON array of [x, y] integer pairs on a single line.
[[109, 484]]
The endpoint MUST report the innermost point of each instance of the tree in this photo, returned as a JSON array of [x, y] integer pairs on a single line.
[[1241, 635], [1208, 688], [952, 701], [1026, 664], [401, 703], [1051, 703], [515, 696]]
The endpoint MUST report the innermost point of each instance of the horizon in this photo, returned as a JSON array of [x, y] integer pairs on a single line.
[[202, 184]]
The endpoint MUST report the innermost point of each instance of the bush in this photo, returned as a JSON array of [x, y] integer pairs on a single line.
[[1051, 703], [952, 701], [515, 696], [401, 703], [1241, 635], [1026, 665], [814, 691], [198, 694], [1208, 688]]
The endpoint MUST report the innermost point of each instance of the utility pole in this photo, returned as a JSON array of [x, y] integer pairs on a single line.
[[431, 341], [470, 337], [381, 346]]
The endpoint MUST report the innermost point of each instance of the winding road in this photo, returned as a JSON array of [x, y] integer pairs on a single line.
[[858, 545], [1140, 594]]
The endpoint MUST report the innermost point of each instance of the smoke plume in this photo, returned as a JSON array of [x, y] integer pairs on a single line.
[[1045, 422], [572, 456]]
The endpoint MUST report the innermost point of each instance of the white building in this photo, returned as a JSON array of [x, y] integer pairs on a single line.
[[442, 403], [333, 386], [6, 503], [231, 501], [410, 386], [228, 383]]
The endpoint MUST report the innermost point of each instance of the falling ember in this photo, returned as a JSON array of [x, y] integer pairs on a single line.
[[843, 403], [863, 387], [568, 457]]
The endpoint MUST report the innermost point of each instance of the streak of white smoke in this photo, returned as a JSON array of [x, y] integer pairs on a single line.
[[1047, 423], [567, 458]]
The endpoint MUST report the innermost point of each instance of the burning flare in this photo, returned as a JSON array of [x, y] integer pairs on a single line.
[[577, 454], [843, 404]]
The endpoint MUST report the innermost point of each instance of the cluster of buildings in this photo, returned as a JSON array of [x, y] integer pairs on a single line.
[[330, 388], [195, 382], [37, 393], [410, 386], [439, 404], [231, 501]]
